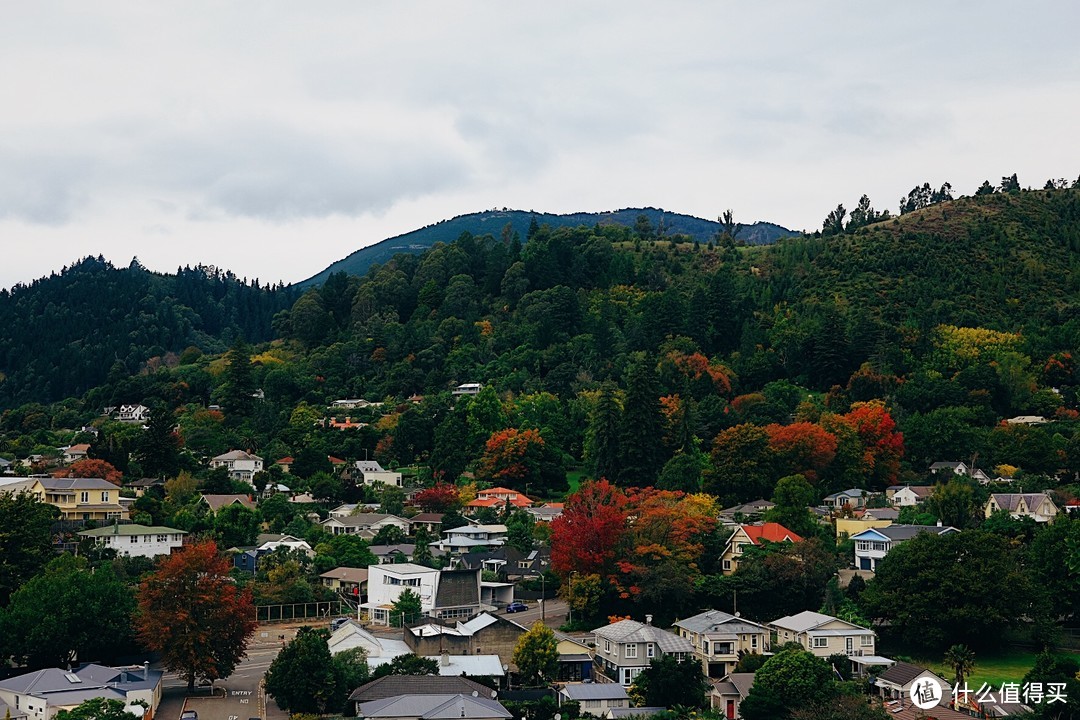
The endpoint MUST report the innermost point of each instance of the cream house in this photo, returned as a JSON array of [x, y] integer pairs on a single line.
[[720, 639], [823, 635], [1037, 506], [81, 498]]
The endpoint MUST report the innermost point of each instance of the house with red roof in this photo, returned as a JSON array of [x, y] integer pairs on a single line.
[[497, 498], [753, 535]]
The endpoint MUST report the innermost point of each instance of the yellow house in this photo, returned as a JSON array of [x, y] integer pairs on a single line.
[[846, 527], [81, 498], [747, 535]]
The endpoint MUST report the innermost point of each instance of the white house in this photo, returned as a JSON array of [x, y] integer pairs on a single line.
[[241, 465], [823, 635], [379, 650], [595, 698], [443, 593], [895, 682], [468, 537], [363, 524], [468, 389], [137, 540], [371, 472], [720, 639], [133, 414], [853, 498], [908, 495], [625, 648], [74, 453], [873, 544]]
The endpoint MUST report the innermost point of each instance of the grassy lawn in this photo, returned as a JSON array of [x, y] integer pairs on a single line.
[[574, 478], [1002, 667]]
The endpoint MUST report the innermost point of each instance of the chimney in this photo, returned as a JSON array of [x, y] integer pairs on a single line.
[[445, 658], [146, 670], [648, 619], [939, 523]]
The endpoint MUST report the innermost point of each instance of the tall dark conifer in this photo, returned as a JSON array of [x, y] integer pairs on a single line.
[[641, 436], [603, 438]]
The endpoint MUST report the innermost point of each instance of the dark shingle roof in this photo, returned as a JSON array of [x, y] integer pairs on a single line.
[[457, 587], [393, 685], [901, 673]]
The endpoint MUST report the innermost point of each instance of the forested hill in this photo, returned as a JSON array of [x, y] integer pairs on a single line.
[[494, 222], [66, 333]]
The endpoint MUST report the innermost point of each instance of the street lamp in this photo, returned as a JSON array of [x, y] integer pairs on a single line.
[[543, 596], [570, 604]]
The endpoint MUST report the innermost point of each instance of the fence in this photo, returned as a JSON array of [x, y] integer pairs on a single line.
[[301, 611]]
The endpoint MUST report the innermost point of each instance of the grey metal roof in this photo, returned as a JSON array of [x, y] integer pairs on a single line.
[[131, 529], [906, 532], [629, 631], [595, 691], [433, 707], [393, 685], [718, 621], [634, 712], [74, 484]]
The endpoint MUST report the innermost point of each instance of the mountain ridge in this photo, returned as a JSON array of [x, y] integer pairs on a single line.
[[493, 221]]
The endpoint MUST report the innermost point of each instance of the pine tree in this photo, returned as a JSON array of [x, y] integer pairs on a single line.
[[642, 428], [239, 385], [603, 435]]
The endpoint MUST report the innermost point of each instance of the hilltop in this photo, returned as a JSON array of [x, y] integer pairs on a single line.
[[494, 221]]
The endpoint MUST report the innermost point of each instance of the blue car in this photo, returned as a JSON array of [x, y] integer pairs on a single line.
[[516, 607]]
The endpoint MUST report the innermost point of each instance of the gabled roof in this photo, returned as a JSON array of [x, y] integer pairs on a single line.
[[233, 455], [808, 621], [216, 502], [362, 519], [130, 529], [716, 620], [74, 484], [595, 691], [899, 533], [771, 531], [881, 514], [433, 707], [853, 493], [348, 574], [947, 465], [629, 631], [1011, 501], [80, 448], [426, 518], [901, 673]]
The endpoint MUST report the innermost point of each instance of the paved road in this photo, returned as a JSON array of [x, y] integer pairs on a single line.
[[238, 697], [555, 614]]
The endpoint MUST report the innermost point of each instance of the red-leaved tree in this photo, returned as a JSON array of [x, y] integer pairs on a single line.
[[883, 444], [91, 468], [441, 498], [584, 538], [802, 448], [192, 612]]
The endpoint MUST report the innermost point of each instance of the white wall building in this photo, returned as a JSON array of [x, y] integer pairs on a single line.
[[137, 540], [241, 465], [372, 472]]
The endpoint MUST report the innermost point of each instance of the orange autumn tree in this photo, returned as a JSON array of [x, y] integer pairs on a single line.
[[698, 369], [519, 458], [883, 444], [194, 614], [91, 468], [802, 448], [660, 561]]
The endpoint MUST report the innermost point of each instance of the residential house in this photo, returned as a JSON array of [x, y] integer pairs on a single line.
[[467, 389], [908, 495], [431, 522], [895, 682], [822, 635], [366, 525], [397, 685], [507, 561], [133, 414], [907, 710], [433, 707], [752, 535], [746, 511], [888, 513], [369, 472], [728, 693], [353, 404], [1027, 420], [484, 634], [379, 650], [855, 498], [957, 468], [142, 486], [348, 423], [720, 640], [498, 498], [1037, 506], [6, 466], [81, 498], [43, 693], [10, 713], [75, 453], [468, 537], [547, 513], [247, 558], [875, 543], [634, 712], [595, 699], [625, 648], [848, 527], [216, 502], [137, 540], [241, 465], [575, 659], [443, 593], [347, 580]]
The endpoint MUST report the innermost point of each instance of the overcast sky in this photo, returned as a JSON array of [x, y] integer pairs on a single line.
[[275, 138]]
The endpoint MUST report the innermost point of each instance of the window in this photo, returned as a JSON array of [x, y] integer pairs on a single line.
[[650, 650], [607, 646], [727, 564], [866, 640], [705, 647], [753, 642], [84, 496], [631, 650], [820, 642], [134, 539], [162, 538]]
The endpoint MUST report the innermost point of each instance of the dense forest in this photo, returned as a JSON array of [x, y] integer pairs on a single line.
[[62, 335]]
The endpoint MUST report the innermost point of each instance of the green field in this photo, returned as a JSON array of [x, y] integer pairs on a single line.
[[574, 478], [1002, 667]]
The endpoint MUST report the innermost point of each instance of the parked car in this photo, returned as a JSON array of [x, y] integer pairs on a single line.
[[189, 715], [516, 607], [338, 622]]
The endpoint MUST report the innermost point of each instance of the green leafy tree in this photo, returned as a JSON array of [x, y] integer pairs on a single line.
[[391, 500], [406, 609], [408, 664], [352, 671], [237, 526], [95, 709], [793, 497], [159, 446], [789, 680], [668, 682], [537, 655], [302, 678], [962, 661], [389, 535], [88, 615], [422, 554], [932, 590], [519, 528], [954, 503], [194, 614], [740, 465], [844, 707], [26, 539], [682, 472]]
